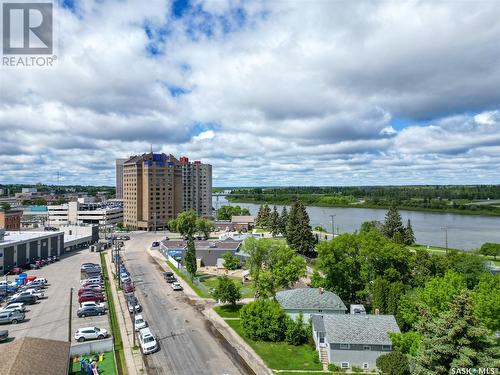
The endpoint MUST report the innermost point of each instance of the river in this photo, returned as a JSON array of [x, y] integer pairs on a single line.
[[465, 232]]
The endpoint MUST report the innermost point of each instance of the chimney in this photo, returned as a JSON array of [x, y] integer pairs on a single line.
[[377, 312], [320, 290]]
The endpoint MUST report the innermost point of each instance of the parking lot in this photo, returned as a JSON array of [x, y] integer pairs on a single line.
[[49, 317]]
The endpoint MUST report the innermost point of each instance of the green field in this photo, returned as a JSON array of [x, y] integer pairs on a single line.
[[281, 356], [228, 311], [106, 367]]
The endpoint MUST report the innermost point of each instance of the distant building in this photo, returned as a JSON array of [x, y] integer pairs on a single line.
[[310, 301], [349, 340], [11, 219], [28, 190], [237, 224], [157, 187], [119, 178], [105, 213], [207, 252]]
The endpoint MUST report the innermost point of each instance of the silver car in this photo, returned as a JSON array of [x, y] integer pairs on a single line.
[[90, 333], [11, 317]]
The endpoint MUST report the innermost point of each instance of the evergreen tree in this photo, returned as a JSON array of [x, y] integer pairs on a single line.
[[264, 217], [455, 339], [380, 290], [274, 222], [283, 221], [409, 236], [259, 216], [393, 224], [185, 224], [299, 234], [190, 258]]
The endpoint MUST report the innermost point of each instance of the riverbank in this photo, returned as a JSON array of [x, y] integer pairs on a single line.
[[473, 212]]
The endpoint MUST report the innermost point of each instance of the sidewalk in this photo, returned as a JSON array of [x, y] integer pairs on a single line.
[[133, 358], [243, 349]]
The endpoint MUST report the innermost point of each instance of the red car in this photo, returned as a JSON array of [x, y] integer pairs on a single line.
[[91, 297], [16, 271], [89, 291], [127, 288], [93, 287]]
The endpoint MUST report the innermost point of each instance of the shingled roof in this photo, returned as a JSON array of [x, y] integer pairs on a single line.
[[356, 329], [33, 355], [309, 299]]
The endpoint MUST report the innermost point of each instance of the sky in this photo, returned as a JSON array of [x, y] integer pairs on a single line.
[[269, 92]]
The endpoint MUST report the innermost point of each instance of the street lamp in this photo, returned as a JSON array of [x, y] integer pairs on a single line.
[[333, 226], [446, 237]]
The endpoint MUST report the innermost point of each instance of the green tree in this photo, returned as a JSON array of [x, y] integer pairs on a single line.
[[380, 290], [406, 343], [204, 226], [226, 212], [424, 266], [264, 217], [409, 236], [455, 339], [299, 235], [263, 320], [274, 222], [368, 226], [231, 262], [296, 331], [395, 291], [190, 258], [283, 221], [393, 224], [393, 363], [472, 267], [258, 253], [487, 302], [185, 224], [490, 249], [227, 291]]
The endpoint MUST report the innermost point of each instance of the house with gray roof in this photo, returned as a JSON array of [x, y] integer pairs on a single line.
[[353, 340], [310, 301]]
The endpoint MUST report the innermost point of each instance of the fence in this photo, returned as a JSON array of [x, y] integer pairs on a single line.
[[98, 346]]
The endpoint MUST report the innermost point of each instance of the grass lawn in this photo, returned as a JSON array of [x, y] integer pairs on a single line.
[[210, 281], [442, 251], [281, 356], [200, 292], [228, 311], [106, 367]]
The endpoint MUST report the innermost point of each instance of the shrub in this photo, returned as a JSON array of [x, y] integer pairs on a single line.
[[227, 291], [264, 320], [393, 363], [296, 332]]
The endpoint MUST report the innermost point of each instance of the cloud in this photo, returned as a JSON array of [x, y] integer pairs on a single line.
[[268, 92]]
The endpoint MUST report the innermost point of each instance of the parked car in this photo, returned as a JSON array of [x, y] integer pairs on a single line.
[[26, 299], [93, 303], [176, 286], [91, 297], [90, 333], [14, 306], [148, 341], [43, 279], [90, 311], [37, 283], [4, 335], [167, 274], [37, 293], [124, 278], [34, 266], [139, 323], [16, 270], [11, 317], [90, 266], [94, 287], [155, 244], [133, 304], [128, 288], [93, 280], [171, 279], [89, 289]]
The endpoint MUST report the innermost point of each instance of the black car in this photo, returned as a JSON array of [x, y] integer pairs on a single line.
[[167, 274], [171, 279], [90, 311], [26, 299], [4, 335]]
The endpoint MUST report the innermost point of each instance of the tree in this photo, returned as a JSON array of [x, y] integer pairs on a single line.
[[380, 290], [393, 224], [204, 226], [409, 236], [264, 216], [227, 291], [296, 332], [490, 249], [406, 343], [368, 226], [470, 266], [393, 363], [226, 212], [231, 262], [283, 221], [190, 258], [274, 222], [455, 339], [257, 251], [263, 320], [299, 235], [487, 303], [185, 224]]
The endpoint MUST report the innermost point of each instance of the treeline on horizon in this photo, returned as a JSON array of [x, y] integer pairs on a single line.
[[429, 197], [59, 189]]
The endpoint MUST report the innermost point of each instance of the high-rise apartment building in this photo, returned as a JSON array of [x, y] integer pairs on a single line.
[[119, 178], [155, 190]]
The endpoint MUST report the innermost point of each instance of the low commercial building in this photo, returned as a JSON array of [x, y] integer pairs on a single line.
[[349, 340], [10, 219], [81, 212], [207, 252], [24, 248], [237, 224], [310, 301]]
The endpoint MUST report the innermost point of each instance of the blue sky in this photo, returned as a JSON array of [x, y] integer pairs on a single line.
[[269, 93]]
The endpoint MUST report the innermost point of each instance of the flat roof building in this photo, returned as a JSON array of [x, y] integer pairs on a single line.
[[10, 219], [102, 213], [119, 178]]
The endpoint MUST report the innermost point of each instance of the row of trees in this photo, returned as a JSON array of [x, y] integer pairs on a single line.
[[226, 212]]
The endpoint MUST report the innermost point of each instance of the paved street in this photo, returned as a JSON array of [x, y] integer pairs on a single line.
[[49, 317], [186, 345]]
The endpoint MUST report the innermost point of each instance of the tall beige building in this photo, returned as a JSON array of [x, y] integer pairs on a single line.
[[155, 190], [119, 178]]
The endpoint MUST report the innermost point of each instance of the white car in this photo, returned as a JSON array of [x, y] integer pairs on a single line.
[[37, 282], [139, 323], [148, 341], [93, 303], [90, 333], [93, 280], [176, 286], [33, 292], [15, 306]]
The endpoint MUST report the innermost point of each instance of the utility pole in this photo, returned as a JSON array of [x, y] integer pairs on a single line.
[[70, 313], [446, 237], [333, 226]]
